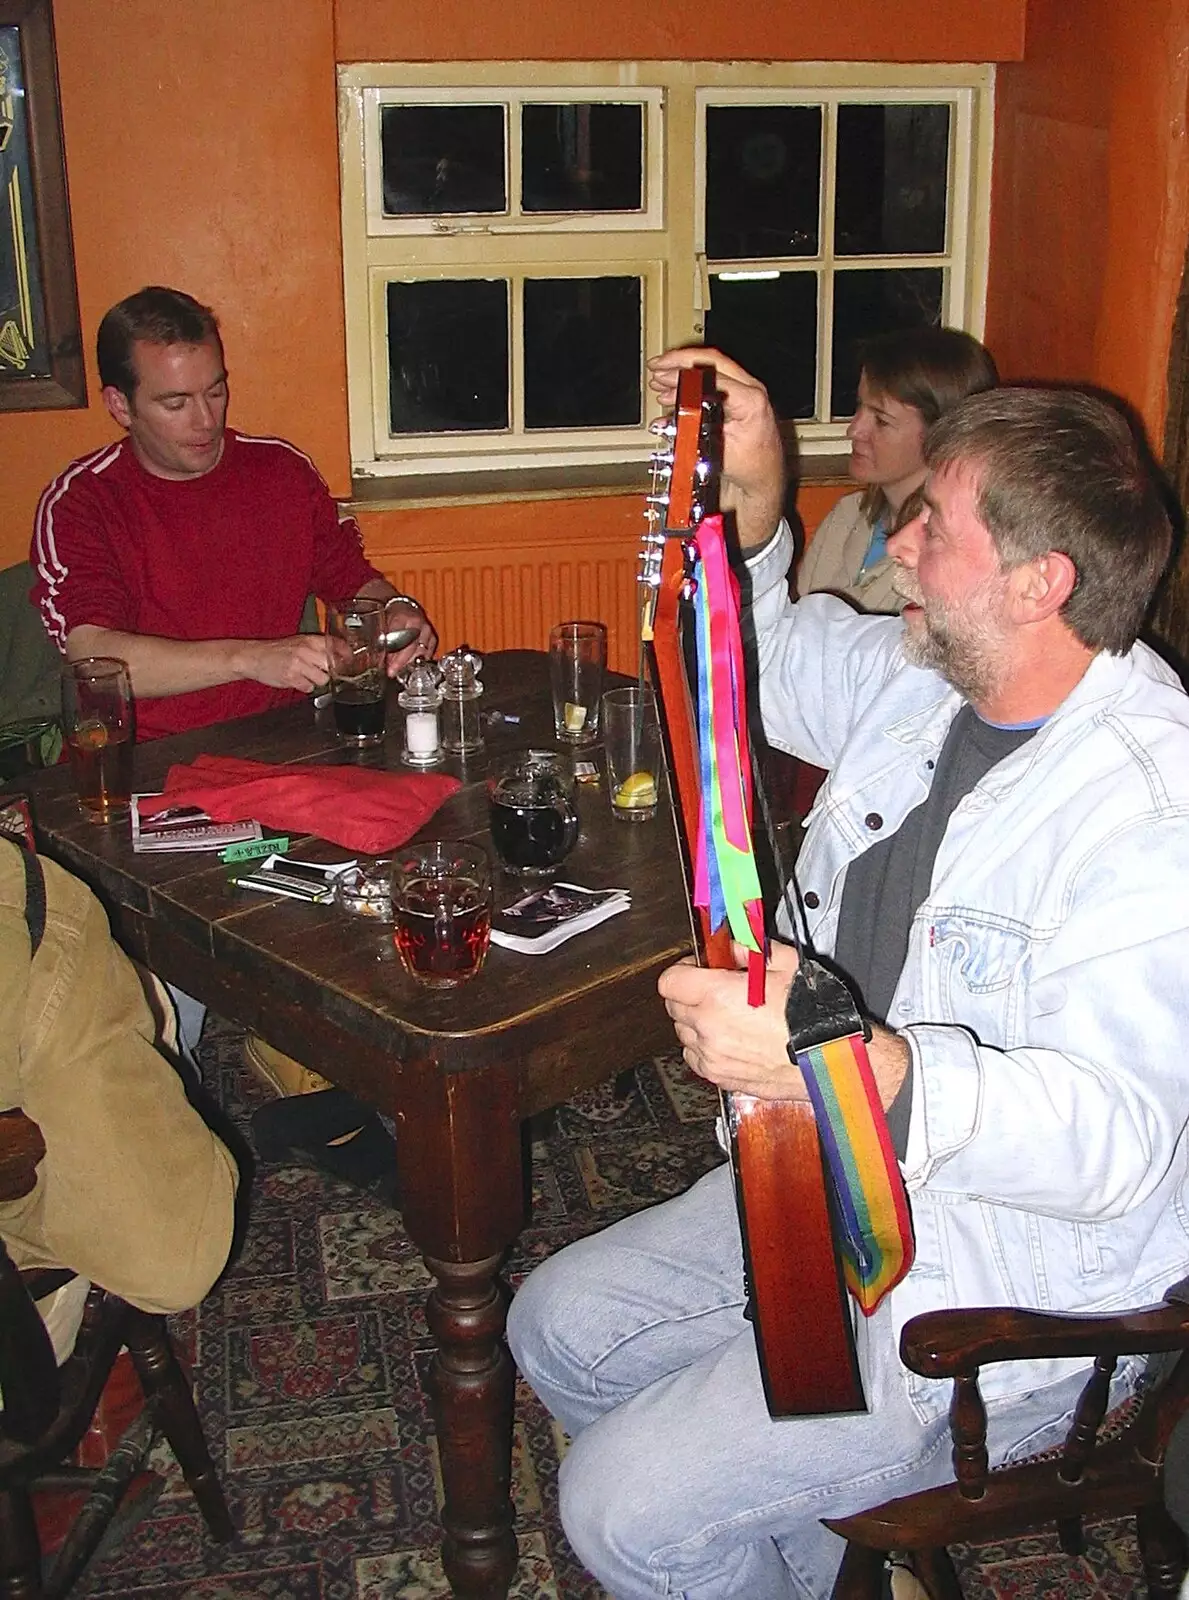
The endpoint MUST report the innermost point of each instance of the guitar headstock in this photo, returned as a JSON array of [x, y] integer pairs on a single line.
[[685, 472]]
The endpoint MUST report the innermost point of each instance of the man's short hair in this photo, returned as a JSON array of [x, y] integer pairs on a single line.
[[1060, 469], [155, 315]]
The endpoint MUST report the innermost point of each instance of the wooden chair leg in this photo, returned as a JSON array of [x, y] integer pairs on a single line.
[[104, 1498], [168, 1392], [1162, 1551], [20, 1548], [936, 1571], [860, 1576], [1071, 1535]]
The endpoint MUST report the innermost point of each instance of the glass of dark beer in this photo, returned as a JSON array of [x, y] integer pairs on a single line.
[[97, 721], [534, 819], [355, 659]]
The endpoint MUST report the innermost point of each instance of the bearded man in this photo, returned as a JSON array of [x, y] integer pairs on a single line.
[[999, 863]]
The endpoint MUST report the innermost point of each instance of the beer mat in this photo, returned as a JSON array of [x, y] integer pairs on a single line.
[[16, 820], [546, 917], [186, 827], [363, 809]]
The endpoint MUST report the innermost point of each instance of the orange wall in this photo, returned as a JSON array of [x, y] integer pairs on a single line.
[[1091, 198], [184, 169], [201, 152], [676, 30]]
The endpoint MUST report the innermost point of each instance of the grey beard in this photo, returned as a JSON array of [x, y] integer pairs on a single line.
[[963, 663]]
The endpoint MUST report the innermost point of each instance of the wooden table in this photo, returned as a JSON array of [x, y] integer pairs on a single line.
[[460, 1070]]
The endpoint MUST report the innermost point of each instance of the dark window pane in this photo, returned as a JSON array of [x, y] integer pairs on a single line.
[[769, 326], [763, 181], [448, 356], [442, 159], [867, 303], [583, 352], [891, 180], [582, 158]]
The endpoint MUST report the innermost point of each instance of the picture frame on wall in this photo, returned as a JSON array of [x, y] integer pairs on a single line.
[[41, 360]]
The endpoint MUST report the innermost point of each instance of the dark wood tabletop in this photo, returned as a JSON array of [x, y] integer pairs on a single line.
[[458, 1069]]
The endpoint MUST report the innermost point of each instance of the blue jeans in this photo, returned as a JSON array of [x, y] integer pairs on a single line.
[[677, 1481], [191, 1021]]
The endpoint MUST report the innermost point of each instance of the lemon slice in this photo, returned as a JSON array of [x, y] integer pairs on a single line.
[[574, 717], [637, 790], [90, 735]]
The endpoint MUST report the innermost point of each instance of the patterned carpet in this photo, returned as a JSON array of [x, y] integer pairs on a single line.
[[310, 1357]]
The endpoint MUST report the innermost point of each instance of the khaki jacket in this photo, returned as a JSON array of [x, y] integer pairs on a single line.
[[134, 1191]]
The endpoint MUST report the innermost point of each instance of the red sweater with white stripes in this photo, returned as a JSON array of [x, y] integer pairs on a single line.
[[232, 554]]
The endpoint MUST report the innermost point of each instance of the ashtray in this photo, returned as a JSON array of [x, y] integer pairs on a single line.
[[366, 891]]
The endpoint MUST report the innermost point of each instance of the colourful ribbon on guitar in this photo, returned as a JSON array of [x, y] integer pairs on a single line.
[[726, 882], [872, 1206]]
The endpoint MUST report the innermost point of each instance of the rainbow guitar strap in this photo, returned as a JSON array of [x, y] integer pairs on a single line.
[[827, 1038]]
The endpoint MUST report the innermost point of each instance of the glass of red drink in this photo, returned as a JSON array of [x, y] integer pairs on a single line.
[[97, 720], [441, 905]]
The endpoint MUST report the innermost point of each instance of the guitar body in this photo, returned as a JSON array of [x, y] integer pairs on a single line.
[[801, 1312]]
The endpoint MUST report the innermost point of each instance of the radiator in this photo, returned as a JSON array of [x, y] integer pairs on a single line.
[[509, 601]]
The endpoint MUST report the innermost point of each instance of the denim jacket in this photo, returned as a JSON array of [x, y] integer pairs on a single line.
[[1045, 995]]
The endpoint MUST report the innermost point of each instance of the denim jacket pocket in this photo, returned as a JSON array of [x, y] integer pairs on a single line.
[[981, 961]]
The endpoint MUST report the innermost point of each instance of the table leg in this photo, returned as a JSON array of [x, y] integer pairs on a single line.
[[471, 1386], [463, 1192]]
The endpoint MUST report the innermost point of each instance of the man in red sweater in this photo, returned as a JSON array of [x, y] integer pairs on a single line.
[[188, 549]]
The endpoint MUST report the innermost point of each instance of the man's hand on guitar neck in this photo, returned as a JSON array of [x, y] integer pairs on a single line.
[[753, 455], [742, 1048]]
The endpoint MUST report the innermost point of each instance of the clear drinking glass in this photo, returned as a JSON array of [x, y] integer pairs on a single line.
[[355, 660], [632, 740], [533, 812], [441, 904], [577, 661], [97, 719]]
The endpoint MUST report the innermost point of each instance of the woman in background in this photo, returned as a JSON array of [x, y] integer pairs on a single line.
[[907, 380]]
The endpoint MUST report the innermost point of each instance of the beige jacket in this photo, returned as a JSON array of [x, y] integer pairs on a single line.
[[835, 554], [134, 1191]]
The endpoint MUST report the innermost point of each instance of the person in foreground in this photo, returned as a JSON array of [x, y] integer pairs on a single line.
[[134, 1191], [999, 861], [187, 549], [908, 379]]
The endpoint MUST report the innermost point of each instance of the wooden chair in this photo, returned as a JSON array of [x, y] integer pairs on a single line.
[[48, 1408], [1101, 1471]]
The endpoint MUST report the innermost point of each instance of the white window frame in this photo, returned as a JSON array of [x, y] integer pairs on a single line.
[[663, 244]]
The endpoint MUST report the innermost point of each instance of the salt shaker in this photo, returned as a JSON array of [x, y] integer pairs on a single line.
[[421, 697], [461, 731]]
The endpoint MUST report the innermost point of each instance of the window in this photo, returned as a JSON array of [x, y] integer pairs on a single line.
[[518, 239]]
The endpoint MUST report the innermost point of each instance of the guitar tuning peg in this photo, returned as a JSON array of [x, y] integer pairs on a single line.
[[658, 499], [664, 427]]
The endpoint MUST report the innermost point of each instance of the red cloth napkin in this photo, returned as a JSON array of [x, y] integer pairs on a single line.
[[357, 807]]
